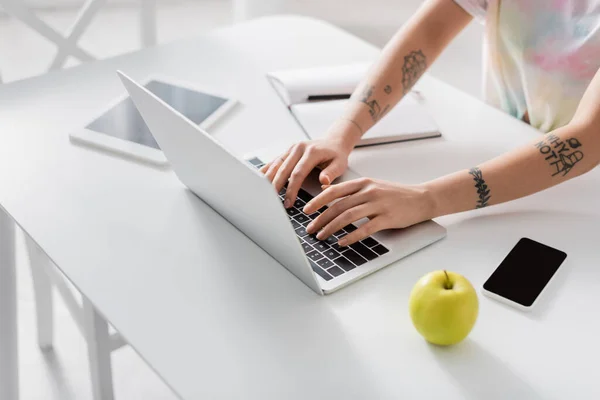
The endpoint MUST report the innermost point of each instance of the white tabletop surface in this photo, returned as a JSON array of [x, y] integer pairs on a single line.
[[217, 317]]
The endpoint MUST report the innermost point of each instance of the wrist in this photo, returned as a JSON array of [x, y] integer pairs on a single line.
[[431, 202], [345, 133]]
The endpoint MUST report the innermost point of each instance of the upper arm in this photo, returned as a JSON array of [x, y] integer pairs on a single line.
[[588, 111], [438, 22]]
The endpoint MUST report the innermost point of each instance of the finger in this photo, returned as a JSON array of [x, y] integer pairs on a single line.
[[347, 217], [332, 212], [275, 164], [285, 170], [364, 231], [331, 172], [306, 164], [265, 167], [331, 193]]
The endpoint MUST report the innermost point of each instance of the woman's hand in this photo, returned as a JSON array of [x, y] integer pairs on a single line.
[[329, 154], [386, 204]]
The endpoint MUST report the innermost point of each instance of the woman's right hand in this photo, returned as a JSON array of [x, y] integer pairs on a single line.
[[329, 154]]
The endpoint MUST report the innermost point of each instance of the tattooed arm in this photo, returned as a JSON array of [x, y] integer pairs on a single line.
[[552, 159], [560, 155], [403, 60], [401, 64]]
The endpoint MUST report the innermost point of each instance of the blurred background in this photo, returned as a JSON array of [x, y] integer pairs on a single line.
[[115, 29]]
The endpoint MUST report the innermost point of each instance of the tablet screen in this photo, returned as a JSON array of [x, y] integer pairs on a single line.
[[124, 121]]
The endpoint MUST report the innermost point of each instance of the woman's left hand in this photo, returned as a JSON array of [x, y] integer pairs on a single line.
[[386, 204]]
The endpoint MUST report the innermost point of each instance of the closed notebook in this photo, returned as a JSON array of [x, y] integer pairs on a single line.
[[409, 120]]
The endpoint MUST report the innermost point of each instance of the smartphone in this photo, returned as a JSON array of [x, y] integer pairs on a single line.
[[523, 274]]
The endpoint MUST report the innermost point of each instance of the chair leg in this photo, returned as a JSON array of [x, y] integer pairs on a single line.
[[148, 23], [42, 287], [99, 349]]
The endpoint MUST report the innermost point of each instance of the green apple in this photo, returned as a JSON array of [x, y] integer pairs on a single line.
[[443, 307]]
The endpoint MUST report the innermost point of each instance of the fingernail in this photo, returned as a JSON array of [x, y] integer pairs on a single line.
[[342, 243], [306, 208], [326, 178], [321, 236], [325, 186], [287, 203], [309, 228]]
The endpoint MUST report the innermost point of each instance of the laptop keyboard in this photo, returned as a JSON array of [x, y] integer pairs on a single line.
[[326, 257]]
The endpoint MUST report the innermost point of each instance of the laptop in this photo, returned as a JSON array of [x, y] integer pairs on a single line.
[[241, 194]]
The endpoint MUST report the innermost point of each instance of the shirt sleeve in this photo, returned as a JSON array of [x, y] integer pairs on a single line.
[[477, 8]]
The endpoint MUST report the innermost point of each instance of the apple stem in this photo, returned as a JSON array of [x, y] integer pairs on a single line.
[[448, 285]]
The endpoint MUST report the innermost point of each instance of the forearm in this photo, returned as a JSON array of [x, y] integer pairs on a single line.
[[402, 62], [554, 158]]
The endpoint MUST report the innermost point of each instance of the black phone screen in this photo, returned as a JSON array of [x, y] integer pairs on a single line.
[[525, 272]]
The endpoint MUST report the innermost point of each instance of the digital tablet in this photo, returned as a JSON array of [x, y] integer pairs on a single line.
[[120, 129]]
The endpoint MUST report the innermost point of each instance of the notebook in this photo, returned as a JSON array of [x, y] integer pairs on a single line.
[[317, 96]]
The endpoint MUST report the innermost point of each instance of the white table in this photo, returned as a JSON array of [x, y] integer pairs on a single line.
[[217, 317]]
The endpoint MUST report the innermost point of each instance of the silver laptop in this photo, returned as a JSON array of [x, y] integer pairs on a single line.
[[322, 265]]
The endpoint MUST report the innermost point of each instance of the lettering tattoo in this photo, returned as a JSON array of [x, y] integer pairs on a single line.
[[483, 192], [367, 98], [561, 155], [415, 63]]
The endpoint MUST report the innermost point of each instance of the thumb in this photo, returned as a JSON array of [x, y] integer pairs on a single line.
[[333, 170]]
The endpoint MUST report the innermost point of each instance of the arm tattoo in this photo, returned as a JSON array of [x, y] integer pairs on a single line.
[[560, 155], [387, 89], [367, 98], [414, 65], [482, 188]]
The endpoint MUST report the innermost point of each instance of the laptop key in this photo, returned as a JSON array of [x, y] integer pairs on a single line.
[[307, 247], [380, 249], [370, 242], [295, 224], [325, 263], [354, 257], [282, 192], [304, 195], [314, 255], [331, 240], [350, 228], [292, 211], [322, 209], [314, 215], [299, 204], [302, 218], [335, 271], [344, 264], [337, 247], [364, 251], [321, 246], [331, 254], [339, 233], [301, 232], [319, 271], [312, 239]]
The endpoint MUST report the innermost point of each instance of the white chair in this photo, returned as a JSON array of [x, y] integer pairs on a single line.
[[67, 45], [46, 277]]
